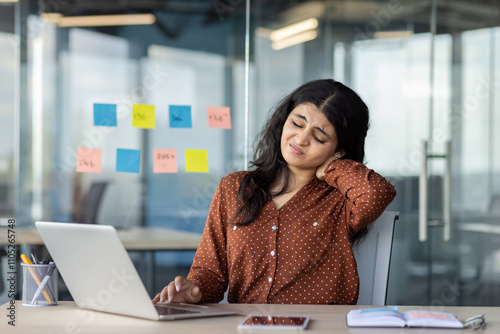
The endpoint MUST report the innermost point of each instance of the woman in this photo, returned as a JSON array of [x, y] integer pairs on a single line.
[[282, 233]]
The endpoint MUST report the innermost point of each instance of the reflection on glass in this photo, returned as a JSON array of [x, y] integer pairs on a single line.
[[194, 57], [7, 107]]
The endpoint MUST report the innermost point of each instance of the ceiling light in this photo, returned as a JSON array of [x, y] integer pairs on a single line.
[[294, 29], [295, 39], [105, 20], [393, 34]]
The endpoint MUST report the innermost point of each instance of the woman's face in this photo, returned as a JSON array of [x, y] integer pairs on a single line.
[[308, 139]]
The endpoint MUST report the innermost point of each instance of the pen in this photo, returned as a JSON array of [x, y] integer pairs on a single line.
[[39, 273], [25, 260], [42, 285]]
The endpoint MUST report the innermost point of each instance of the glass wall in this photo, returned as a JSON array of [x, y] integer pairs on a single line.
[[8, 74], [191, 57], [7, 111], [428, 72], [426, 76]]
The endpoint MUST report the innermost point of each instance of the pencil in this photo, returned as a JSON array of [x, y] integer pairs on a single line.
[[25, 260]]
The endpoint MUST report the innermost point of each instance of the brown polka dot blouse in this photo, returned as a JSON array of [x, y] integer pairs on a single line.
[[297, 254]]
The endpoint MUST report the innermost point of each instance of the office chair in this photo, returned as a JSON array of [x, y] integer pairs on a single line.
[[4, 285], [373, 257], [494, 209], [89, 208]]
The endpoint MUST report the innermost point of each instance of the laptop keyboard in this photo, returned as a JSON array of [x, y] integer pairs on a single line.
[[166, 310]]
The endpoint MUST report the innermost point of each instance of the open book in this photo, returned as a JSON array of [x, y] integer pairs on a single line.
[[390, 317]]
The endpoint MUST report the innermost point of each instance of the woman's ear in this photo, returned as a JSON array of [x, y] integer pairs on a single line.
[[339, 154]]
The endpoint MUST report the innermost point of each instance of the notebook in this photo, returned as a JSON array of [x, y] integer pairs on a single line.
[[390, 317], [100, 275]]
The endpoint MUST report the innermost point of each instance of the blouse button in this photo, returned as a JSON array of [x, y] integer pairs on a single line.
[[274, 228], [270, 279], [272, 253], [234, 228], [315, 224]]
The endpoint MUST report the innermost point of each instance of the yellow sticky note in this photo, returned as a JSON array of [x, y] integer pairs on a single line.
[[143, 116], [196, 161]]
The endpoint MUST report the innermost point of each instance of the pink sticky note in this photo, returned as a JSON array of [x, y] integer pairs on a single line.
[[89, 160], [219, 117], [164, 160]]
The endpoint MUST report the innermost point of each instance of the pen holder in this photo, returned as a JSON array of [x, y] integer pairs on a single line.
[[39, 284]]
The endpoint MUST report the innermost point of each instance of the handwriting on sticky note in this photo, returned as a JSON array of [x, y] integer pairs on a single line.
[[143, 116], [196, 161], [180, 116], [88, 160], [219, 117], [165, 160]]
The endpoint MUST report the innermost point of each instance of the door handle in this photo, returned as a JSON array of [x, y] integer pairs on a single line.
[[447, 193], [424, 193], [423, 201]]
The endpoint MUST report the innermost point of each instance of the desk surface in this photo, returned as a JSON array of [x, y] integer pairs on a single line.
[[67, 318], [480, 227], [134, 238]]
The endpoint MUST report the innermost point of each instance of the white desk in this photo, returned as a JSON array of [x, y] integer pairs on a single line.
[[480, 227], [145, 239], [134, 238], [67, 318]]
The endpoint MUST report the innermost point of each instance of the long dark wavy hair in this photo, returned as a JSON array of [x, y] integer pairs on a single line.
[[343, 108]]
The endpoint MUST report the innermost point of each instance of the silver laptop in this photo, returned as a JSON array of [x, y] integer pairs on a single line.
[[100, 275]]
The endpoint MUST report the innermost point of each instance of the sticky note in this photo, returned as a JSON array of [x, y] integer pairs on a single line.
[[196, 161], [128, 160], [164, 160], [180, 116], [88, 160], [143, 116], [219, 117], [104, 114]]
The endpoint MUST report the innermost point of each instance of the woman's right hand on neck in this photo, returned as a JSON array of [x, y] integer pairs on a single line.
[[179, 290]]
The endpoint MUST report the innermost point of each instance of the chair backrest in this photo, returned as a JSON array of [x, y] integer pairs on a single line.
[[494, 207], [4, 270], [91, 202], [373, 257]]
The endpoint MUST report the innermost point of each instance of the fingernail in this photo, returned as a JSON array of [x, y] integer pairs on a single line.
[[162, 299], [178, 288], [170, 298]]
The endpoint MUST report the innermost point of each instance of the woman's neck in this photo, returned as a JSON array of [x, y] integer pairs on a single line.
[[295, 183], [296, 180]]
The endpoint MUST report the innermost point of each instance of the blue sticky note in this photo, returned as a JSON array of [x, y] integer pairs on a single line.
[[180, 116], [104, 114], [128, 161]]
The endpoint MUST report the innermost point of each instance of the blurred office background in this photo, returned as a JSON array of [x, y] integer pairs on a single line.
[[429, 70]]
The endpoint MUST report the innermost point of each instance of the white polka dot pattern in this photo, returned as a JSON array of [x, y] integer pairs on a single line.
[[297, 254]]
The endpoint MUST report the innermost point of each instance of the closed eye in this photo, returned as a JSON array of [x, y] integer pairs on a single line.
[[315, 138], [318, 140]]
